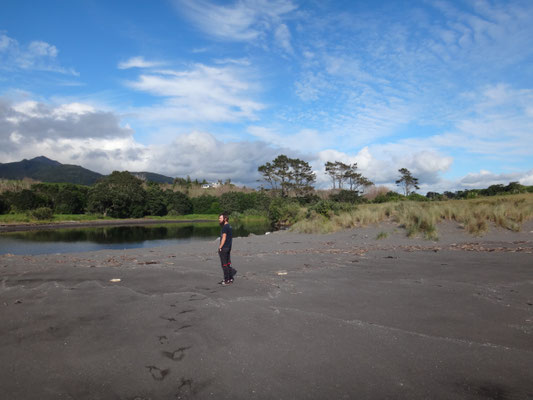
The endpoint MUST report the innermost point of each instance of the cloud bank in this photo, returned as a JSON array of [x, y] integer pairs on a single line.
[[77, 133]]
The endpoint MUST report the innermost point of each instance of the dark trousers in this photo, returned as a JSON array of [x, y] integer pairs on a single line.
[[225, 261]]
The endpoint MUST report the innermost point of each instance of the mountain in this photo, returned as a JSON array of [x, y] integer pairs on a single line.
[[150, 176], [45, 170]]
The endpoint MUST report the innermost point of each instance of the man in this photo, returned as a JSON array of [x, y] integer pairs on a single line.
[[224, 249]]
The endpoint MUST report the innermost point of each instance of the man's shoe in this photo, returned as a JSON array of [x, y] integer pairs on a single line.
[[226, 283]]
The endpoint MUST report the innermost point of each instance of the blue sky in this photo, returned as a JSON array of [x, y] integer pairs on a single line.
[[215, 89]]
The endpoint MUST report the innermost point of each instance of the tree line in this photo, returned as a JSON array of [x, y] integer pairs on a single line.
[[290, 181], [294, 175]]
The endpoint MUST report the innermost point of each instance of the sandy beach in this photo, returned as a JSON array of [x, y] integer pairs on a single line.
[[338, 316]]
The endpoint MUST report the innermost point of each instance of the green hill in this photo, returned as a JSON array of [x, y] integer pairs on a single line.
[[45, 170], [150, 176]]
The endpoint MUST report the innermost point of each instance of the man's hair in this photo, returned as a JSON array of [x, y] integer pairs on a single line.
[[225, 215]]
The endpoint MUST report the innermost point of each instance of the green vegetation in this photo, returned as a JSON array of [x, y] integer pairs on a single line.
[[421, 219], [381, 235], [290, 201]]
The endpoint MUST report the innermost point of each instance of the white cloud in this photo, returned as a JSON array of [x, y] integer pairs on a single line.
[[381, 167], [283, 38], [484, 178], [201, 93], [244, 20], [306, 140], [498, 124], [138, 62], [77, 133], [37, 55]]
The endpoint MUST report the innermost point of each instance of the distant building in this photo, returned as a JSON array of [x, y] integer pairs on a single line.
[[211, 185]]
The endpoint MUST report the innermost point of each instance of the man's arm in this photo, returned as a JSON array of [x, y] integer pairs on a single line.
[[222, 241]]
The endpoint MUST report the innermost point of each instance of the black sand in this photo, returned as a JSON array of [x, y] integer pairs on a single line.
[[342, 316]]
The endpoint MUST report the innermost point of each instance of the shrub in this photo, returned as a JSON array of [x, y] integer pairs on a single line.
[[347, 196], [178, 203], [156, 203], [204, 204], [417, 197], [4, 205], [236, 202], [389, 196], [24, 200], [283, 211], [42, 213], [119, 195]]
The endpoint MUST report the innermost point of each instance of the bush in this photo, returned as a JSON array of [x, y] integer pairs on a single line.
[[240, 202], [205, 204], [4, 205], [178, 203], [389, 196], [328, 208], [283, 212], [156, 201], [24, 200], [42, 213], [119, 195], [347, 196], [417, 197]]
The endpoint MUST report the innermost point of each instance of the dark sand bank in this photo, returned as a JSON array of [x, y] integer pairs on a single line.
[[309, 317]]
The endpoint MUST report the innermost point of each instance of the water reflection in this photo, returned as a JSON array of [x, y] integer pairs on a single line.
[[68, 240]]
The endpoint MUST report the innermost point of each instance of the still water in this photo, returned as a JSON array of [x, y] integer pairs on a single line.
[[73, 240]]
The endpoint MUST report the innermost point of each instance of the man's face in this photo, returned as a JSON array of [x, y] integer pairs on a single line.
[[221, 219]]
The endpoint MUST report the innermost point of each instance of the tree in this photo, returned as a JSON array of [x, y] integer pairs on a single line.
[[119, 195], [407, 181], [155, 200], [303, 177], [356, 179], [178, 203], [288, 173], [331, 170], [341, 172]]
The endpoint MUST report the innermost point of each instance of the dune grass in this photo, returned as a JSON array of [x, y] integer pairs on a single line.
[[422, 218]]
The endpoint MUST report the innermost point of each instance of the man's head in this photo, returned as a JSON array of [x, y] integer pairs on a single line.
[[223, 218]]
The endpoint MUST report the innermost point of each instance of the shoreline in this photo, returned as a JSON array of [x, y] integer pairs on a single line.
[[29, 226]]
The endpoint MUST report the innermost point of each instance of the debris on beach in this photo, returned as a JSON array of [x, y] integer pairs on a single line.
[[115, 280], [282, 272]]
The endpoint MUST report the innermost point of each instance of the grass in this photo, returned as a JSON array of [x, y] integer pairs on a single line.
[[422, 218], [382, 235]]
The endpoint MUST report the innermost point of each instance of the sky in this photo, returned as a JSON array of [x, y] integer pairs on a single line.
[[214, 89]]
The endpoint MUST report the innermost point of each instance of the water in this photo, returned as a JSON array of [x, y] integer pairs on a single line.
[[73, 240]]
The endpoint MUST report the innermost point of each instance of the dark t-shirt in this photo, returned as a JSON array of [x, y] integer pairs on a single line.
[[229, 235]]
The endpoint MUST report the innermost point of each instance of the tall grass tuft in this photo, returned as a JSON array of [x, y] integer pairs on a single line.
[[475, 215]]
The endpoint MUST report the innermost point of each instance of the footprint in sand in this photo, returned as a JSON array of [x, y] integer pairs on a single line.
[[157, 373], [183, 327], [176, 355]]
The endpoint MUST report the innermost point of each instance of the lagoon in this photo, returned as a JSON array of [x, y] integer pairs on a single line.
[[74, 240]]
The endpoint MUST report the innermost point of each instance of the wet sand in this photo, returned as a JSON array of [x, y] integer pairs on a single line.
[[340, 316]]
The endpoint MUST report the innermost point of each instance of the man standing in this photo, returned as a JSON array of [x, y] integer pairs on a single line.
[[224, 249]]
